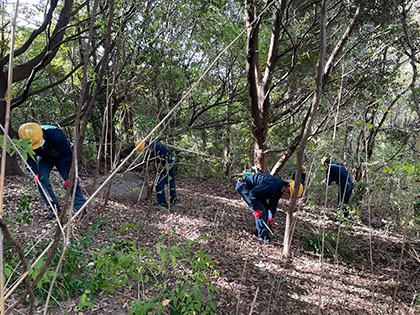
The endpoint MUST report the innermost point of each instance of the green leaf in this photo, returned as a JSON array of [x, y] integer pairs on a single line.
[[124, 227]]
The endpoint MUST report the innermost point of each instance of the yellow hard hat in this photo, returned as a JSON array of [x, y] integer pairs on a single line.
[[33, 132], [303, 169], [141, 147], [324, 160], [292, 186]]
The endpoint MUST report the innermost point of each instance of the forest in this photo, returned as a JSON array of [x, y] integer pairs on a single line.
[[231, 91]]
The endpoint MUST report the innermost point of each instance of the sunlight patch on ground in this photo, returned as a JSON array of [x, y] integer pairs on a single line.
[[269, 266], [332, 296], [223, 284], [187, 227], [227, 201]]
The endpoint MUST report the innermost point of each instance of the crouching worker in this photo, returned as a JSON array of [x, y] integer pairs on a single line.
[[167, 160], [262, 193], [51, 149]]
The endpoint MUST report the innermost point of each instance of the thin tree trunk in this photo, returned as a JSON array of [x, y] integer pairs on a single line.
[[307, 129], [227, 147], [258, 84], [327, 72]]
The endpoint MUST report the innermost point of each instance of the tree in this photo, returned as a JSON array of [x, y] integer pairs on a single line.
[[259, 84]]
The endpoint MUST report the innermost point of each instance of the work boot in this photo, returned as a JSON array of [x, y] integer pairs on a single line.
[[266, 241], [161, 204], [51, 215]]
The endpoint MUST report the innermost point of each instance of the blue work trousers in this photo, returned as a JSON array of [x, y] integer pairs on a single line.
[[166, 175], [63, 167], [262, 230], [345, 191]]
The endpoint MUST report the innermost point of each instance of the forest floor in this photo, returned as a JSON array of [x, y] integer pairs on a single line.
[[253, 278]]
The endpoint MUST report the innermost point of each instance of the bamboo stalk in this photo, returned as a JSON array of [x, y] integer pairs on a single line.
[[4, 151]]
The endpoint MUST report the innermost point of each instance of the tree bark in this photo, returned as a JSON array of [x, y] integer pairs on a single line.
[[259, 85], [306, 130]]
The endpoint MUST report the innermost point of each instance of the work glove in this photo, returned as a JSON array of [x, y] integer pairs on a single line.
[[37, 179], [270, 221], [257, 214], [66, 182]]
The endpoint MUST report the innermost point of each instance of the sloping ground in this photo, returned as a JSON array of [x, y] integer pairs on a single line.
[[254, 278]]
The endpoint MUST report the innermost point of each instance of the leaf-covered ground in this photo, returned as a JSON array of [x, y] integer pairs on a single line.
[[254, 278]]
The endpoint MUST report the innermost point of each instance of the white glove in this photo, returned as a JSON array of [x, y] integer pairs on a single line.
[[324, 181]]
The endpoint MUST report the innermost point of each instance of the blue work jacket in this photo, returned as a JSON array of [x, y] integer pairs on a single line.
[[263, 188], [159, 150], [55, 147], [339, 175]]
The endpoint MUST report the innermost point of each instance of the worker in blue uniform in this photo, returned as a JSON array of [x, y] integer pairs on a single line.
[[262, 193], [157, 149], [51, 149], [336, 172], [302, 175]]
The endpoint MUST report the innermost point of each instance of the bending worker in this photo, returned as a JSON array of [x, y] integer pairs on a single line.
[[51, 149], [338, 174], [168, 163], [262, 193]]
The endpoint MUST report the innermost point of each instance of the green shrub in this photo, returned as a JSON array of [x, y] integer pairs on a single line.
[[177, 281]]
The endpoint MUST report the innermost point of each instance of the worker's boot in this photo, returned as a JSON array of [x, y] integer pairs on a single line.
[[266, 240], [161, 204], [51, 215]]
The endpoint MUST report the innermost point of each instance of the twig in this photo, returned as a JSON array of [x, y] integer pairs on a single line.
[[254, 300], [240, 284], [22, 259]]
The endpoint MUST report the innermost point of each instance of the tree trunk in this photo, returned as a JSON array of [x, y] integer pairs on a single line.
[[287, 248], [258, 85], [327, 71], [254, 76], [12, 166]]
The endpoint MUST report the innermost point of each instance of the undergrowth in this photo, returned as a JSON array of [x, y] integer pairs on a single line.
[[170, 278], [334, 242]]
